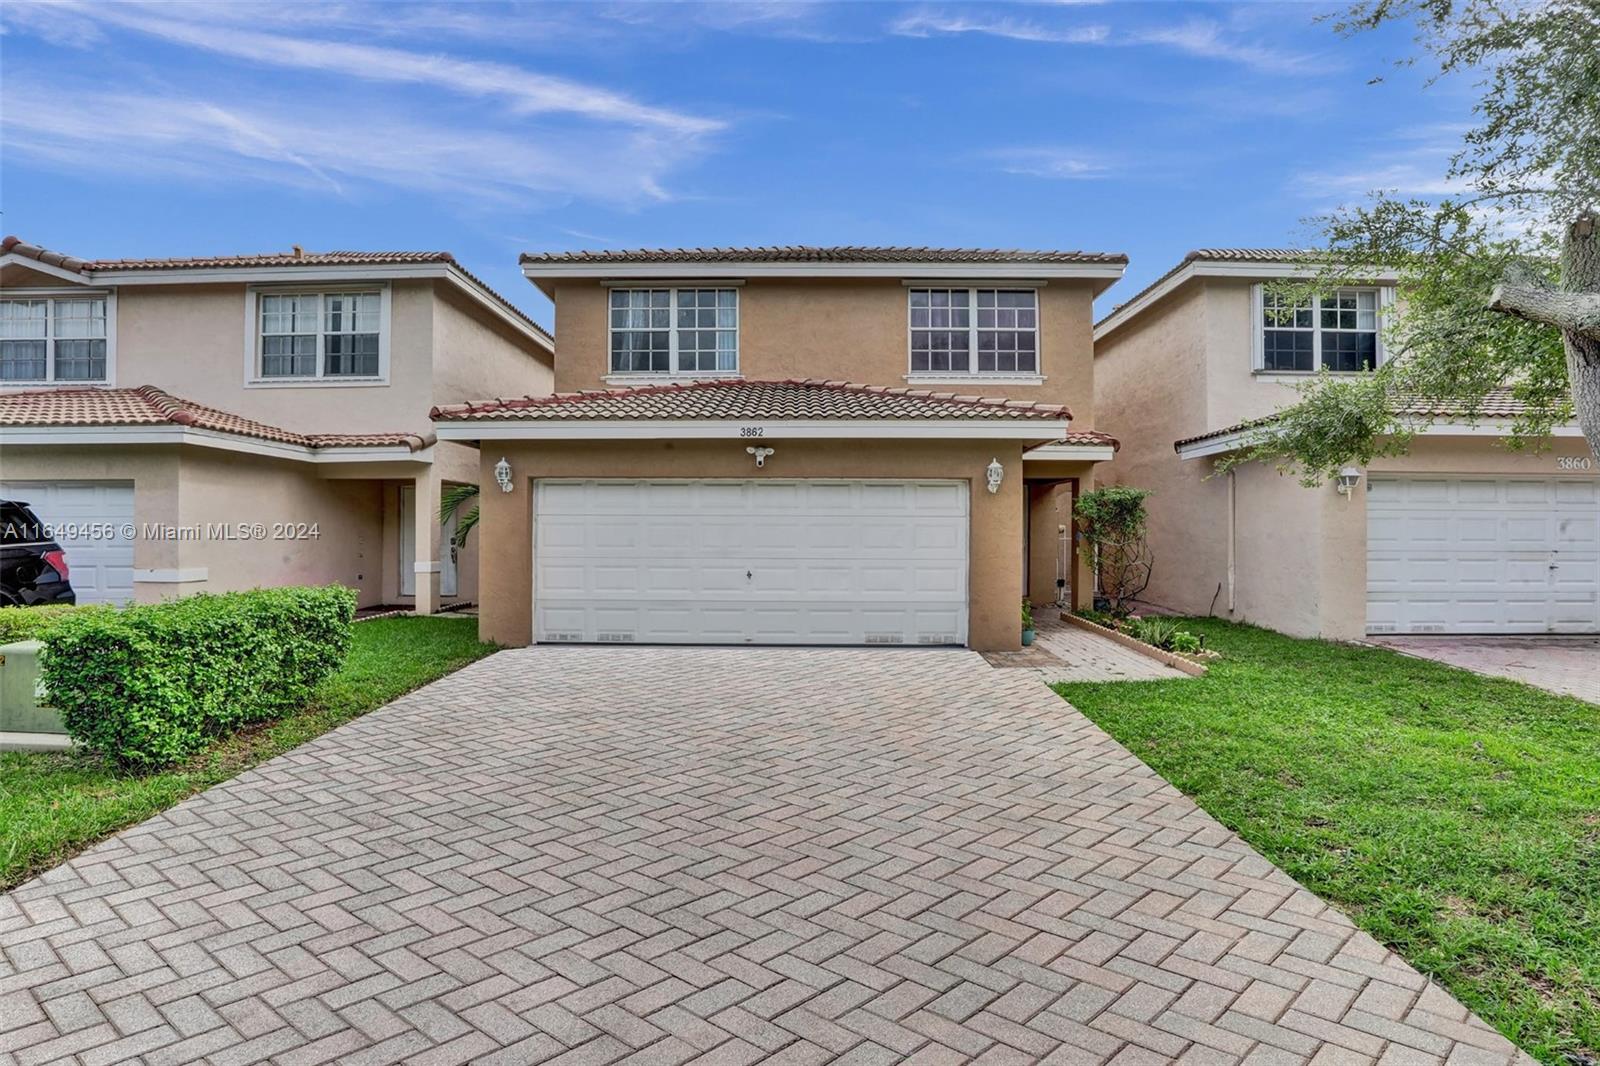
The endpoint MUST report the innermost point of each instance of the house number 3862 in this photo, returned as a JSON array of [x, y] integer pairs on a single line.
[[752, 431], [1574, 462]]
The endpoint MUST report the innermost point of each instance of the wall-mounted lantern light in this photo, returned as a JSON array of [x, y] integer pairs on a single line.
[[995, 472], [760, 454], [1347, 480], [502, 474]]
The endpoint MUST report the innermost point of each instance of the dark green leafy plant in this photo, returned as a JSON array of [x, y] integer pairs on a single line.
[[147, 685], [1027, 615], [31, 623], [451, 503], [1113, 521]]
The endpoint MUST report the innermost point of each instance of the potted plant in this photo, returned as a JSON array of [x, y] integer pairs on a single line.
[[1027, 623]]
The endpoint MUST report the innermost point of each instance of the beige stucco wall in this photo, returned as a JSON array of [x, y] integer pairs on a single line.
[[190, 340], [995, 576], [478, 356], [1301, 553], [1150, 377], [188, 487], [845, 329], [1182, 368]]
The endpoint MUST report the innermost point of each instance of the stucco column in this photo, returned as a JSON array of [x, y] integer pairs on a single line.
[[505, 555], [996, 590], [429, 542], [1082, 572]]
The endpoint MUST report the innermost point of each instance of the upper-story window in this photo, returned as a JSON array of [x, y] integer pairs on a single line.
[[974, 331], [53, 338], [1337, 331], [674, 331], [313, 335]]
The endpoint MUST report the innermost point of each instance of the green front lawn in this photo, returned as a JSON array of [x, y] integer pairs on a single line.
[[1454, 817], [53, 805]]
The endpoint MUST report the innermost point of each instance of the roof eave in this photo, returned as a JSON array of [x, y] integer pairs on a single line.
[[1040, 429]]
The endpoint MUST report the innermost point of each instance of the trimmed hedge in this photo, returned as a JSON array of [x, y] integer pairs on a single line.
[[149, 685], [30, 623]]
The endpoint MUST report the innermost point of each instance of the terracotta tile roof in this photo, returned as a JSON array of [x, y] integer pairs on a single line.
[[802, 253], [1091, 438], [150, 406], [1500, 403], [736, 399], [296, 258], [1210, 255]]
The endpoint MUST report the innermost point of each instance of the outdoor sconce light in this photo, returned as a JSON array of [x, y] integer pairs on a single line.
[[1348, 478], [760, 454], [502, 474], [995, 472]]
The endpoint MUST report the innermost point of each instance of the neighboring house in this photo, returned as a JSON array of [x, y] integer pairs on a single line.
[[1460, 535], [793, 445], [221, 423]]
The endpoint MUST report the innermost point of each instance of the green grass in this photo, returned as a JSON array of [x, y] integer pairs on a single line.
[[53, 805], [1454, 817]]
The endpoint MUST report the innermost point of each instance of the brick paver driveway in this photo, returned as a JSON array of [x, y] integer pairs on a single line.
[[656, 855], [1566, 665]]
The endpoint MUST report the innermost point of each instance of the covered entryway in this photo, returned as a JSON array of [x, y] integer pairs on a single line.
[[769, 561], [93, 523], [1483, 555]]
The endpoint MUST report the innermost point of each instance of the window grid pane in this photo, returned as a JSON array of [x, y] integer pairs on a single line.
[[649, 326], [23, 319], [352, 339], [22, 360], [80, 360], [1349, 333], [941, 340], [1008, 323]]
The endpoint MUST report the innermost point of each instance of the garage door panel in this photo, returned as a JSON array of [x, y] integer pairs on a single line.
[[779, 561], [100, 556], [1482, 555]]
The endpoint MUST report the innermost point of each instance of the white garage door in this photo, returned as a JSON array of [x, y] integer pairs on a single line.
[[88, 519], [751, 562], [1483, 555]]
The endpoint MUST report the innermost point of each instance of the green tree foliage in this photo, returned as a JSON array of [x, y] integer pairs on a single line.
[[1500, 282]]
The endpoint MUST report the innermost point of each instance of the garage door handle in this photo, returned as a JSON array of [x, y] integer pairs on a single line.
[[748, 575]]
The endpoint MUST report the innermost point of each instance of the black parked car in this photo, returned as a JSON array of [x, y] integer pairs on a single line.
[[33, 568]]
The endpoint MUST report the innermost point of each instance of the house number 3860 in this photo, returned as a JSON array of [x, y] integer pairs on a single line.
[[1574, 462]]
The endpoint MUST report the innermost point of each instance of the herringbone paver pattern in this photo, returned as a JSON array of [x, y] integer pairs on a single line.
[[585, 855]]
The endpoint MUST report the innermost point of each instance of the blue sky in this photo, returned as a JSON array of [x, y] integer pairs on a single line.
[[488, 129]]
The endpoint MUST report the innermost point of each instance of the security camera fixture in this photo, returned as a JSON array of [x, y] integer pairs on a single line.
[[760, 454]]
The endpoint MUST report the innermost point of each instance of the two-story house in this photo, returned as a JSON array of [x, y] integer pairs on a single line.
[[222, 423], [793, 445], [1459, 535]]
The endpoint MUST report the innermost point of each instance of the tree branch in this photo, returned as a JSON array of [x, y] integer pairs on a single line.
[[1574, 312]]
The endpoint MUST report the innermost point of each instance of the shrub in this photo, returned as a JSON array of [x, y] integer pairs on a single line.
[[1157, 632], [1113, 521], [30, 623], [149, 685], [1186, 643], [1027, 615]]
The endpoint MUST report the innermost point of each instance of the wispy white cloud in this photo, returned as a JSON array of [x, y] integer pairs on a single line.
[[1208, 40], [1053, 162], [524, 91], [1412, 162], [1198, 37], [942, 23], [291, 143]]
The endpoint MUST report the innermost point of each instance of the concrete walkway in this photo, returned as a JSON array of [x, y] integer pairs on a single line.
[[595, 855], [1568, 666]]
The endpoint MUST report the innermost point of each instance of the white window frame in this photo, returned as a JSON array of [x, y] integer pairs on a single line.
[[972, 373], [253, 378], [674, 371], [1258, 317], [51, 296]]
